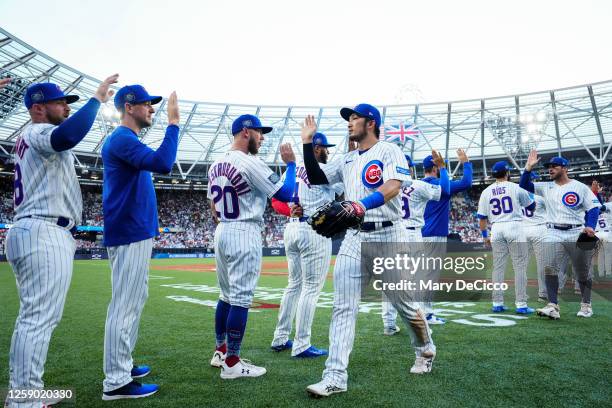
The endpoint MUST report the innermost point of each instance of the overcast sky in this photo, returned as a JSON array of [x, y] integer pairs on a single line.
[[325, 52]]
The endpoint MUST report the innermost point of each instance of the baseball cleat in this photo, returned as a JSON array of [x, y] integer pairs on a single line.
[[131, 390], [390, 331], [217, 359], [542, 299], [499, 309], [551, 311], [585, 310], [423, 364], [243, 368], [324, 389], [287, 346], [311, 352], [524, 310], [140, 371], [433, 319]]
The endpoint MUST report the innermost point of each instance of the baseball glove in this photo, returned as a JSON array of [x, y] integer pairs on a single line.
[[85, 236], [336, 216], [585, 242]]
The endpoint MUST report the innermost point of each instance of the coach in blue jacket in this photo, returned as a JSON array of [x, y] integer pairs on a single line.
[[130, 224], [437, 214]]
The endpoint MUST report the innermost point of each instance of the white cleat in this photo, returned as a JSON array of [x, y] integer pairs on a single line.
[[217, 359], [585, 310], [551, 311], [242, 368], [390, 331], [423, 364], [324, 388]]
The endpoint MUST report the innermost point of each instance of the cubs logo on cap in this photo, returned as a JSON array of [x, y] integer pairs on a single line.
[[364, 110], [249, 122], [134, 94], [570, 199], [372, 174], [500, 166], [557, 161], [319, 139], [44, 92]]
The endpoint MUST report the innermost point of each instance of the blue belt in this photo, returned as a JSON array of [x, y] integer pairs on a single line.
[[60, 221], [372, 226]]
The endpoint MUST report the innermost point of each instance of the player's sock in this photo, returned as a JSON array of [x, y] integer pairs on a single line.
[[223, 309], [222, 348], [585, 290], [552, 286], [236, 324]]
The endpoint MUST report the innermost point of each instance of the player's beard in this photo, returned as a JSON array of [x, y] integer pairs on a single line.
[[55, 119], [143, 123], [358, 137], [322, 157], [252, 146]]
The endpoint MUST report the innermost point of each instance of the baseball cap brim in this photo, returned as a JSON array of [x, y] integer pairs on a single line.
[[347, 112], [69, 98], [264, 129], [547, 165], [154, 99], [324, 145]]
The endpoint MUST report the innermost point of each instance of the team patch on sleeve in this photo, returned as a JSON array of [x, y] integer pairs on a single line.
[[402, 170], [274, 178]]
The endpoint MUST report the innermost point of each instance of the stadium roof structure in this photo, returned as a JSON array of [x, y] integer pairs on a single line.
[[554, 121]]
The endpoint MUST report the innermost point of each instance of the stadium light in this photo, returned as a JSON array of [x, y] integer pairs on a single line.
[[541, 116]]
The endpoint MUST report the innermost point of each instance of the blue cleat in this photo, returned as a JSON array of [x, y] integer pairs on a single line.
[[311, 352], [524, 310], [282, 347], [433, 319], [499, 309], [131, 390], [140, 371]]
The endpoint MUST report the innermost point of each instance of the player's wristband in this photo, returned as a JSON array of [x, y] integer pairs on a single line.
[[374, 200], [485, 233]]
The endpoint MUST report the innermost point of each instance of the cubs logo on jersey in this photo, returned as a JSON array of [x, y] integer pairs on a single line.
[[371, 176], [570, 199]]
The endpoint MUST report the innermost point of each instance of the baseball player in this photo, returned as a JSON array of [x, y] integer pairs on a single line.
[[48, 207], [308, 257], [239, 185], [567, 201], [604, 232], [501, 204], [130, 224], [415, 194], [372, 177], [534, 225], [437, 215]]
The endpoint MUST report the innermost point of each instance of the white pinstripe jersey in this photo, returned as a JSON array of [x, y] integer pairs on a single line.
[[362, 174], [46, 183], [567, 204], [538, 216], [503, 201], [239, 185], [604, 222], [312, 197], [414, 195]]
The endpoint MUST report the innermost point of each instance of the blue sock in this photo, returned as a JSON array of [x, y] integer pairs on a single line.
[[552, 287], [236, 323], [221, 313]]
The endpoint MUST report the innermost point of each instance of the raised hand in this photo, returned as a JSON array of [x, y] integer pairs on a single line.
[[596, 188], [438, 159], [462, 156], [104, 93], [309, 128], [173, 109], [532, 160], [4, 82], [287, 153]]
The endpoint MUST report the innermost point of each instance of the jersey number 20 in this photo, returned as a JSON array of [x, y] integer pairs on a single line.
[[228, 195]]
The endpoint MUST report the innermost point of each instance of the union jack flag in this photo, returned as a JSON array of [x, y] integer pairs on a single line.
[[400, 132]]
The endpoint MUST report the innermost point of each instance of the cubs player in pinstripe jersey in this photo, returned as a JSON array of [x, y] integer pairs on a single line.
[[308, 257], [567, 201], [48, 207], [534, 225], [130, 224], [604, 232], [415, 194], [501, 204], [239, 184], [372, 177]]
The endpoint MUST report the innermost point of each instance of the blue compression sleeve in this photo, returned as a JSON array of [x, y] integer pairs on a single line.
[[445, 181], [526, 182], [531, 206], [374, 200], [591, 217], [285, 194], [75, 128]]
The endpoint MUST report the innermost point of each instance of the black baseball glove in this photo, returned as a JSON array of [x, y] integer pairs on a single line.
[[335, 217], [585, 242]]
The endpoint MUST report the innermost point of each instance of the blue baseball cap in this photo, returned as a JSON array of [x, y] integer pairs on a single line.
[[46, 92], [249, 122], [500, 166], [410, 162], [428, 162], [557, 161], [319, 139], [134, 94], [364, 110]]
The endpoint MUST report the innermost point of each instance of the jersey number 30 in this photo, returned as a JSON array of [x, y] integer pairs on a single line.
[[498, 206], [228, 195]]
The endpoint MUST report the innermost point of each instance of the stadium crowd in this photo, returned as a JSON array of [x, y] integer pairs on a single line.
[[187, 214]]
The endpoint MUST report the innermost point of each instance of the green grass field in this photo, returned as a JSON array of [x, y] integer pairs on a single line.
[[528, 362]]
